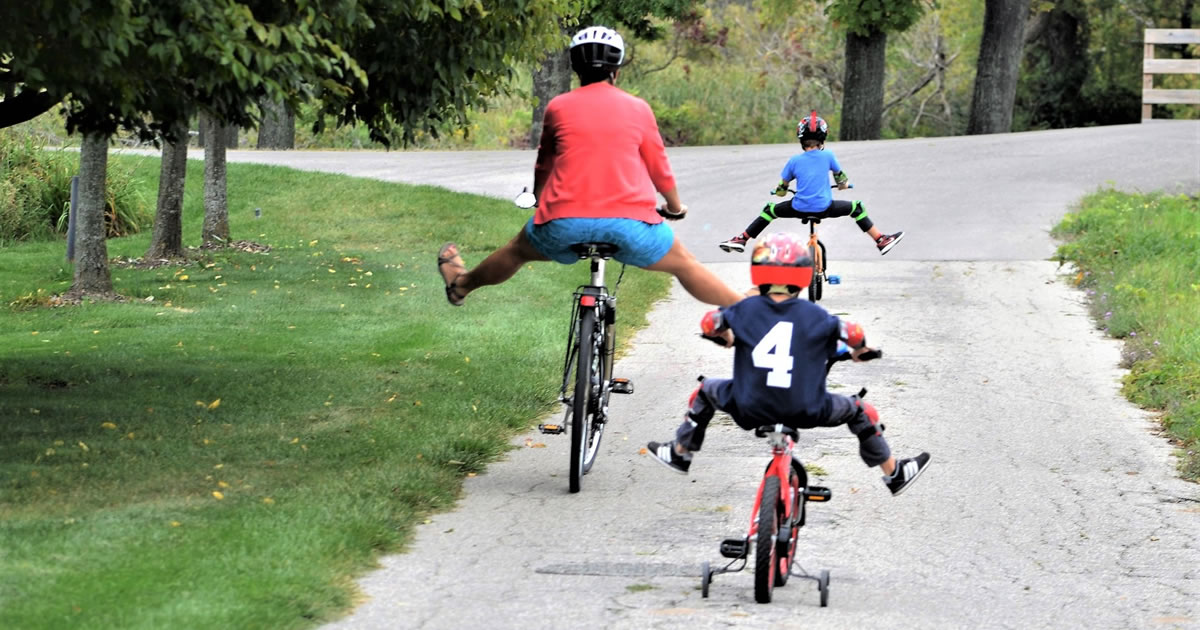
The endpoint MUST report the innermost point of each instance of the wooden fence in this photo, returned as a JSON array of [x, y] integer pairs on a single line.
[[1152, 66]]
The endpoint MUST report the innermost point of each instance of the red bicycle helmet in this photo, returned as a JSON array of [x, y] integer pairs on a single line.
[[812, 127], [781, 258]]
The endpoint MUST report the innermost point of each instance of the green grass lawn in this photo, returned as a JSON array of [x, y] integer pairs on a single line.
[[234, 444], [1139, 261]]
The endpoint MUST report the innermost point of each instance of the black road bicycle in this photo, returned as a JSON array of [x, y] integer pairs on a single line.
[[587, 379]]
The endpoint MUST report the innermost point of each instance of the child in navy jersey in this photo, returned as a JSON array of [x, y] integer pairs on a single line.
[[782, 346]]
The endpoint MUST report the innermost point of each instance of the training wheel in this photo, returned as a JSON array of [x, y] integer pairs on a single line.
[[705, 579], [823, 584]]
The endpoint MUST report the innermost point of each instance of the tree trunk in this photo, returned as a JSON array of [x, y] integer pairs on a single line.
[[216, 211], [278, 127], [550, 79], [228, 132], [1055, 65], [999, 65], [862, 102], [167, 239], [91, 249]]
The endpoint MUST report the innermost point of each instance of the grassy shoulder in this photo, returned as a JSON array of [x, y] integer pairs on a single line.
[[1139, 261], [231, 446]]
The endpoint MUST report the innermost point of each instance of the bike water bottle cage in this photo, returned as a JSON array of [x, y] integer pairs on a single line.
[[587, 250]]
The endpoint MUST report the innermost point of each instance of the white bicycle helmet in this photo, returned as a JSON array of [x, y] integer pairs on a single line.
[[597, 46]]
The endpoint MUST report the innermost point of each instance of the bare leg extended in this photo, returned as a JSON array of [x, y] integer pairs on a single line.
[[498, 267], [696, 279]]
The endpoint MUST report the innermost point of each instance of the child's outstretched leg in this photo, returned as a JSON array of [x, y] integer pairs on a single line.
[[760, 223], [677, 454], [855, 210], [863, 421]]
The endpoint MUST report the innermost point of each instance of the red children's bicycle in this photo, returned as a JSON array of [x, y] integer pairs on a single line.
[[779, 513], [775, 522]]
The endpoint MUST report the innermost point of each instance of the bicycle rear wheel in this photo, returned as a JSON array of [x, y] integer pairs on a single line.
[[585, 437], [818, 257], [765, 565]]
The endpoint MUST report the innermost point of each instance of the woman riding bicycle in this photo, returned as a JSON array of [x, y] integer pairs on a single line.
[[600, 160], [782, 348]]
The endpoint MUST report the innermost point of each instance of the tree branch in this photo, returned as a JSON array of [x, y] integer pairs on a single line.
[[25, 106]]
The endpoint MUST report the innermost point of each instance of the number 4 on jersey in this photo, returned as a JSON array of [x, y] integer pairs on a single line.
[[774, 353]]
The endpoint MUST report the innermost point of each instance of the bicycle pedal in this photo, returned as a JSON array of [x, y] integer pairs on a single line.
[[734, 547], [622, 386], [552, 429], [817, 493]]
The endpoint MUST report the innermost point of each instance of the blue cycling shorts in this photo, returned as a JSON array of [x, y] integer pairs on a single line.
[[640, 244]]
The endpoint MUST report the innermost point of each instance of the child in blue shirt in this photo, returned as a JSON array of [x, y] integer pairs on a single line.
[[782, 346], [810, 169]]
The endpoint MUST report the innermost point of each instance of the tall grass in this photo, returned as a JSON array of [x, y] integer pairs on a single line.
[[1139, 261], [35, 191]]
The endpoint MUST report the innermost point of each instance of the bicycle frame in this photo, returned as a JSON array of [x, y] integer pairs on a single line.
[[590, 344], [780, 467], [593, 295], [786, 523]]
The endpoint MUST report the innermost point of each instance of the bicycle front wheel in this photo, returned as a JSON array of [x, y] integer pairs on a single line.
[[765, 554], [589, 392]]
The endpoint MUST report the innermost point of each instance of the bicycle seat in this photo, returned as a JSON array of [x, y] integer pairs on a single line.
[[772, 428], [811, 218], [587, 250]]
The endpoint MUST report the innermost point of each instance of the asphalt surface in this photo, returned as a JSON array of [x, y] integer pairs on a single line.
[[1052, 502]]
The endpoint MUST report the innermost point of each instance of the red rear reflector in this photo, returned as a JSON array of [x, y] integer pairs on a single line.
[[587, 300]]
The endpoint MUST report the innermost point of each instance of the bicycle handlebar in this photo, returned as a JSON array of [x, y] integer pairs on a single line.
[[793, 191], [670, 216]]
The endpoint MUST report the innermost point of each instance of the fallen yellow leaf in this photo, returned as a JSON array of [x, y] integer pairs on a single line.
[[268, 500], [222, 484], [214, 404], [218, 496], [84, 447], [107, 425], [175, 523]]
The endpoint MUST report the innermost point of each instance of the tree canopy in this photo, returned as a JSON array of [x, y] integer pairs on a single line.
[[145, 64]]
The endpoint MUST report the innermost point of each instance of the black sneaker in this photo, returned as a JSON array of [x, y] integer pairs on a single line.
[[664, 453], [888, 241], [907, 471]]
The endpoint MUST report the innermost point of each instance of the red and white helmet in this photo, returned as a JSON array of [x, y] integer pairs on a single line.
[[812, 127], [781, 258]]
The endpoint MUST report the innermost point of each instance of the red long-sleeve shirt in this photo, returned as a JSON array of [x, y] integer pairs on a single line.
[[601, 155]]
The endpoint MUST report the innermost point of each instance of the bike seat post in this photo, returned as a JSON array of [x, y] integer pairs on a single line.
[[597, 269]]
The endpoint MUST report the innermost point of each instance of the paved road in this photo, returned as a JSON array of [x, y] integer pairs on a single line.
[[1052, 502]]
